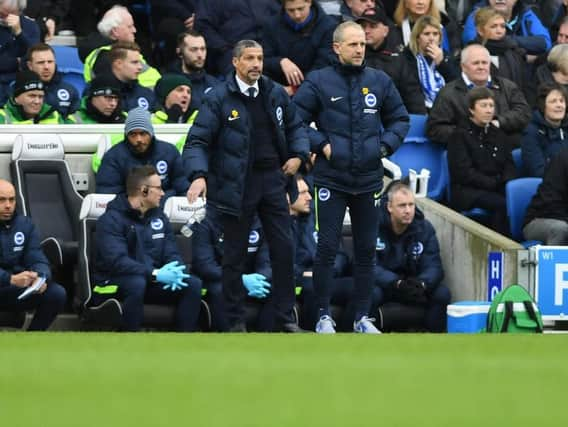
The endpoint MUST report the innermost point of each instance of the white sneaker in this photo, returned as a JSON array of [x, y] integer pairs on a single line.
[[365, 326], [325, 325]]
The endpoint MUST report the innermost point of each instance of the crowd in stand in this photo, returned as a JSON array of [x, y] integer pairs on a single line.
[[490, 75]]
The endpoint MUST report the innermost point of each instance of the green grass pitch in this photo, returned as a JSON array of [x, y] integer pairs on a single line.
[[154, 379]]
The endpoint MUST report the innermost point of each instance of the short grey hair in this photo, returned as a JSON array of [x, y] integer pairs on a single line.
[[340, 30], [397, 186], [244, 44], [467, 50], [19, 5], [113, 18]]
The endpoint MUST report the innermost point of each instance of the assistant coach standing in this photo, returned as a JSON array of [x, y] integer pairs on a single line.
[[360, 118], [246, 140]]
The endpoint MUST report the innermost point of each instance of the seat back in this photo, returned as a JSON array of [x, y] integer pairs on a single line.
[[518, 160], [423, 155], [67, 59], [417, 131], [44, 185], [519, 193], [93, 206]]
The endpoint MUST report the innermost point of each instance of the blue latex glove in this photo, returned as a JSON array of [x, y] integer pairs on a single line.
[[180, 276], [167, 273], [256, 285]]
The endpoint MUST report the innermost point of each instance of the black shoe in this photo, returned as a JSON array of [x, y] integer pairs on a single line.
[[238, 327], [291, 328]]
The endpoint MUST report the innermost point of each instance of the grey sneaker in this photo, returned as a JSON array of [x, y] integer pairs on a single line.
[[365, 326], [325, 325]]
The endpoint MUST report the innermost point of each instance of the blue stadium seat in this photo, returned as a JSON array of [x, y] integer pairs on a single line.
[[417, 155], [76, 79], [475, 213], [519, 193], [518, 160], [417, 131], [67, 59]]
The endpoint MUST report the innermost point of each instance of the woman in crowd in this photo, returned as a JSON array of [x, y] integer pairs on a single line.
[[426, 62], [507, 58], [547, 133], [407, 13], [480, 161]]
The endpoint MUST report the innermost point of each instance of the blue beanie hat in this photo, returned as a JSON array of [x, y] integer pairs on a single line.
[[138, 119]]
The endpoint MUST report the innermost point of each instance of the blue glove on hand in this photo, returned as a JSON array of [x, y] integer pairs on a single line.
[[167, 274], [172, 275], [256, 285]]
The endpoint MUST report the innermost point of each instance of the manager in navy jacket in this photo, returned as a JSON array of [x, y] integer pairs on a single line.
[[360, 118], [21, 262], [245, 142]]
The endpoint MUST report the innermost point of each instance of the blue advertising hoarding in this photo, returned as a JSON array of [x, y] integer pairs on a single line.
[[551, 284]]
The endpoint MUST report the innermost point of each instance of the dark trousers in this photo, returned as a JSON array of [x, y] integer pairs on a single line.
[[46, 305], [330, 211], [134, 291], [264, 321], [435, 317], [264, 194], [341, 296]]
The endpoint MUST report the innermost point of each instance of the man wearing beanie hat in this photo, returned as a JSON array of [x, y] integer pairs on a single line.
[[101, 104], [140, 147], [26, 105], [173, 93]]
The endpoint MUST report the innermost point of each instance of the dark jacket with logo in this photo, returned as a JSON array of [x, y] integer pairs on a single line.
[[207, 249], [21, 249], [62, 96], [133, 95], [540, 142], [450, 109], [356, 110], [131, 244], [219, 145], [414, 253], [117, 162]]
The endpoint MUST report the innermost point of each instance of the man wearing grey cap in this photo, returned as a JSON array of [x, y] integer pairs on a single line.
[[140, 147]]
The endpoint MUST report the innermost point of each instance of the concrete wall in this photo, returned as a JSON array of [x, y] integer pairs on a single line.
[[465, 246]]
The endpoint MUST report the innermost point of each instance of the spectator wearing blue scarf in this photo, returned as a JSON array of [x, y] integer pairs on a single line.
[[296, 41], [427, 63]]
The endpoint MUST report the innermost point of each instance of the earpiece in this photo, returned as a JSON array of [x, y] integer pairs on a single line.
[[145, 191]]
